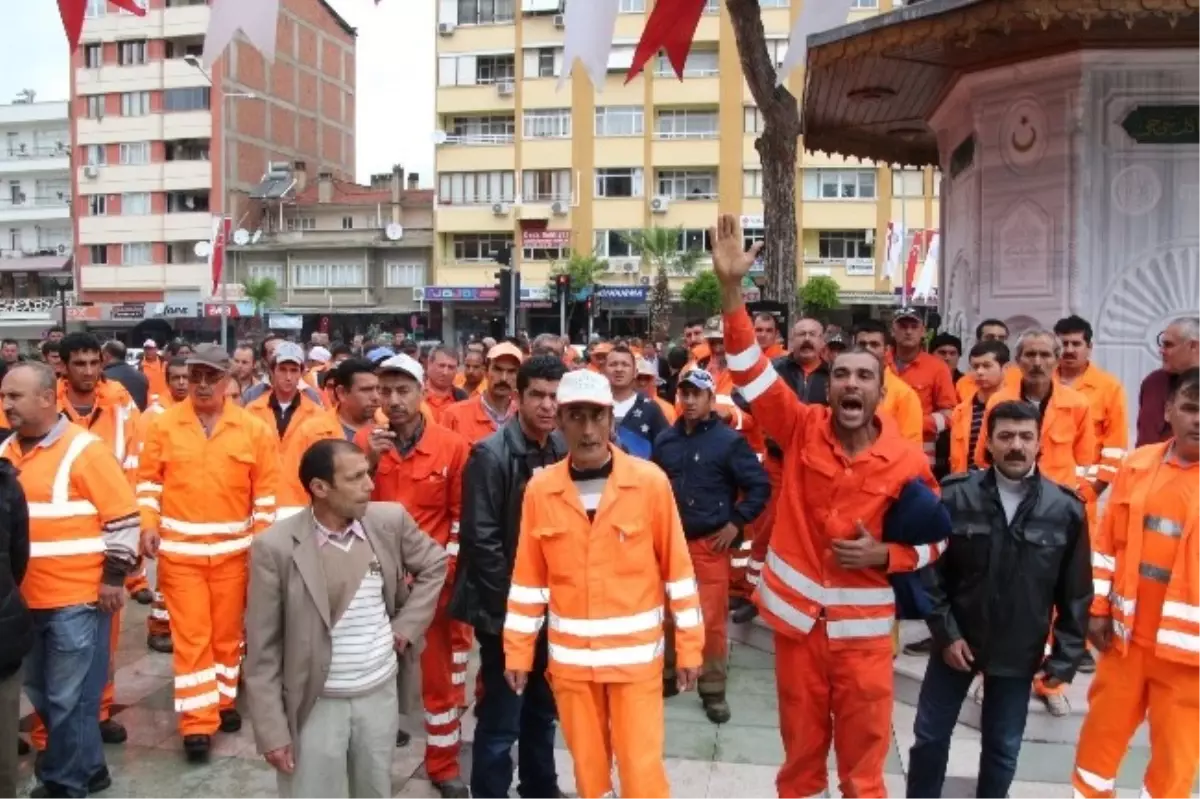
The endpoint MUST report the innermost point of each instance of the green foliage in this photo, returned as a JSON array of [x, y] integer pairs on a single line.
[[703, 291], [661, 248], [260, 291], [584, 268], [819, 293]]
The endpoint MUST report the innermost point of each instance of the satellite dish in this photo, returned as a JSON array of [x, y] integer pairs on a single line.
[[241, 237], [439, 137], [393, 232], [256, 237], [202, 249]]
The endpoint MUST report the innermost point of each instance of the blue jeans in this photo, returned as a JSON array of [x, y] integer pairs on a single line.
[[1005, 708], [65, 674], [505, 719]]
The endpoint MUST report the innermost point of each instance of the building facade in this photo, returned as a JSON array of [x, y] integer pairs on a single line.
[[516, 156], [147, 125]]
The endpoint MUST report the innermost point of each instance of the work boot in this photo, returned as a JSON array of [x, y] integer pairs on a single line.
[[48, 789], [738, 602], [453, 789], [23, 747], [670, 687], [402, 738], [100, 781], [1088, 664], [716, 708], [1057, 704], [142, 596], [160, 643], [112, 732], [919, 648], [231, 720], [197, 747], [744, 614]]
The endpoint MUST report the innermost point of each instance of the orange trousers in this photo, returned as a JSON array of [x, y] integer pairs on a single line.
[[159, 620], [621, 719], [738, 558], [462, 637], [843, 697], [440, 696], [206, 598], [37, 732], [136, 581], [764, 524], [1126, 689]]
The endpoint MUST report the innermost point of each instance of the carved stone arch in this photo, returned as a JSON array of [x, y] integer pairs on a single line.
[[1148, 295]]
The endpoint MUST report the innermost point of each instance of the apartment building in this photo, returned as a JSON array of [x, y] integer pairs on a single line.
[[147, 126], [35, 215], [517, 157]]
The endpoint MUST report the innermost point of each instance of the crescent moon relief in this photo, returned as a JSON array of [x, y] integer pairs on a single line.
[[1026, 146]]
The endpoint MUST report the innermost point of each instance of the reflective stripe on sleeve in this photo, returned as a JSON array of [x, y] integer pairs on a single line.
[[1114, 453], [452, 549], [528, 596], [741, 361], [739, 563], [62, 549], [1100, 561], [264, 501], [148, 502], [688, 618], [759, 385], [682, 589], [61, 510], [153, 488], [522, 623], [1101, 587]]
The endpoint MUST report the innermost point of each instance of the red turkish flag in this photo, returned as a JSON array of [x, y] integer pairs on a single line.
[[916, 257], [216, 252], [671, 27], [72, 12]]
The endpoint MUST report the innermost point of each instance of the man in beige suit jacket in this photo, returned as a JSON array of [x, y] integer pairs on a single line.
[[328, 613]]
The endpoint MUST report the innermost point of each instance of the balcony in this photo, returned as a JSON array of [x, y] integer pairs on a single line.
[[467, 99], [29, 159], [164, 23], [181, 226], [698, 87], [473, 218], [337, 238], [326, 299], [682, 150], [116, 128], [826, 214], [476, 153], [114, 78], [159, 277], [35, 209]]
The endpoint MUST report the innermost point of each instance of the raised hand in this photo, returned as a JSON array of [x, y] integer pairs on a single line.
[[730, 262]]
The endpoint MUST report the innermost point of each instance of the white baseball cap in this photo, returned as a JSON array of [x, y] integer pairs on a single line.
[[319, 354], [584, 387], [403, 363], [149, 344], [289, 352]]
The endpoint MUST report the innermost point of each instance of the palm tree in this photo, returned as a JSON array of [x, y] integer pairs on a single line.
[[262, 292], [663, 248]]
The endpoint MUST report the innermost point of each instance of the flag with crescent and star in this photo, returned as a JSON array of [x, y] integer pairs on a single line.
[[72, 13]]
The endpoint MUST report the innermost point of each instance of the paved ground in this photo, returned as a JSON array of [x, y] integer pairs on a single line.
[[738, 759]]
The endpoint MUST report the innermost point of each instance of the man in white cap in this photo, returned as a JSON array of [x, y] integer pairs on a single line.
[[647, 382], [154, 368], [289, 403]]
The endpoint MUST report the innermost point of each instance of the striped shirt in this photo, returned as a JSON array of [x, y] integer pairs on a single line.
[[364, 655], [590, 483], [978, 406]]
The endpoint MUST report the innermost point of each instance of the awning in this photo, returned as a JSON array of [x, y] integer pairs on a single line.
[[35, 263]]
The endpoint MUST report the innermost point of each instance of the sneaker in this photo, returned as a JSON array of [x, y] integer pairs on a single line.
[[231, 720], [744, 614], [160, 643], [402, 738], [1088, 664], [48, 789], [453, 789], [1057, 704], [738, 602], [23, 747], [100, 781], [919, 648], [143, 596], [197, 747], [112, 732], [717, 710]]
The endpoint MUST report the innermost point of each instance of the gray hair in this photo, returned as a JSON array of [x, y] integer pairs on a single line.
[[47, 380], [1038, 332], [547, 344], [1188, 327]]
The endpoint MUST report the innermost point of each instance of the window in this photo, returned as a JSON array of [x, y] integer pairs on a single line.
[[620, 120], [485, 12], [95, 8], [908, 183], [752, 119], [476, 188], [856, 5], [699, 64], [773, 3], [398, 276], [777, 50], [545, 185], [937, 183], [553, 123], [839, 184], [130, 53], [96, 155], [347, 223], [479, 246], [136, 254], [194, 201], [15, 195], [683, 184], [95, 106], [620, 58], [188, 150], [481, 130], [839, 244], [97, 205], [331, 276], [494, 69], [632, 6], [135, 204], [612, 244], [686, 124], [193, 99], [98, 254], [135, 153], [752, 183], [712, 6], [619, 182], [295, 223], [266, 272], [543, 62], [135, 104], [92, 56]]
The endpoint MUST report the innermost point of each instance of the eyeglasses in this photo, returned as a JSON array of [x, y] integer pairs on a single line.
[[205, 377]]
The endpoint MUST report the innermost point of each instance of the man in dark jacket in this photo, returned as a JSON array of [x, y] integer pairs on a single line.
[[496, 474], [1018, 560], [16, 625], [720, 487], [112, 355]]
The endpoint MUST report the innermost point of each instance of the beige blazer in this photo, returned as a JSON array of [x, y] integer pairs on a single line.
[[288, 642]]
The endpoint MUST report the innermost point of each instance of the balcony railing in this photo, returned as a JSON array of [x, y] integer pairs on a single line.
[[480, 138], [668, 135], [23, 152], [36, 202]]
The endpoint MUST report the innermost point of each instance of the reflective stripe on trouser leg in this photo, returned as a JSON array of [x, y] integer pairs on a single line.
[[440, 695], [185, 586], [136, 581], [462, 638], [229, 580], [712, 579], [738, 558], [159, 620], [1116, 707]]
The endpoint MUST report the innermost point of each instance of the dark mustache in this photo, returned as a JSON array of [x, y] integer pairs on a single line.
[[1015, 456]]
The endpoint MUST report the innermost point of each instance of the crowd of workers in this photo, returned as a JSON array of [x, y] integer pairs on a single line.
[[592, 524]]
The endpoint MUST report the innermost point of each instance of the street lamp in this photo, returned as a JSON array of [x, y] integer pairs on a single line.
[[193, 61], [61, 282]]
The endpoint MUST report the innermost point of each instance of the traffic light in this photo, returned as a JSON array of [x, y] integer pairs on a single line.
[[504, 288], [563, 284], [503, 255]]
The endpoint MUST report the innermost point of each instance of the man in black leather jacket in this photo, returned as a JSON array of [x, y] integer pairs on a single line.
[[494, 483], [16, 625], [1018, 559]]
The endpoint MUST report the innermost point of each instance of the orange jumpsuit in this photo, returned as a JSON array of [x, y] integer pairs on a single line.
[[605, 581], [427, 481], [1144, 566], [1106, 396], [306, 408], [159, 620], [438, 403], [965, 387], [155, 372], [833, 648], [460, 381], [960, 434], [206, 495], [902, 405], [930, 377], [292, 496]]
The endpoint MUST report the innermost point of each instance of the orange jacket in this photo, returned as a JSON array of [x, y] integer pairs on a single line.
[[469, 419], [156, 377], [207, 495], [902, 405], [1117, 555], [292, 496], [1106, 396], [82, 516], [1068, 440], [667, 408], [306, 409], [604, 580], [824, 495], [929, 376], [115, 419], [427, 482], [438, 403], [960, 434], [965, 387], [775, 350], [460, 381]]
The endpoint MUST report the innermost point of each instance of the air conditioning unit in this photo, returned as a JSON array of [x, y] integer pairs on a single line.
[[660, 204], [559, 208], [504, 89], [499, 209], [445, 28], [61, 249], [91, 172], [560, 21], [621, 266], [632, 267]]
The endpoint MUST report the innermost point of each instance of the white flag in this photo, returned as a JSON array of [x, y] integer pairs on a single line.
[[895, 252], [923, 285], [257, 19], [589, 38], [816, 16]]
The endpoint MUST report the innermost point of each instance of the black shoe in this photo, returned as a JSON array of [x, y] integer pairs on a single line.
[[160, 643], [402, 738], [231, 720], [1088, 664], [738, 602], [717, 709], [112, 732], [453, 789], [100, 781], [919, 648], [670, 688], [197, 747], [744, 614], [23, 747], [143, 596], [48, 789]]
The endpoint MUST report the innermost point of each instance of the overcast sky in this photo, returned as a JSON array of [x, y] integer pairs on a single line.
[[395, 74]]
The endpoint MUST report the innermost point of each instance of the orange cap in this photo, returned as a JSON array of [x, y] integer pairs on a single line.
[[506, 349], [601, 348]]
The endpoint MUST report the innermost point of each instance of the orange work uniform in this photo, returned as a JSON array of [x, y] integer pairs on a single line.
[[159, 620], [961, 455], [206, 495], [460, 381], [966, 386], [1144, 569], [306, 408], [902, 405], [667, 408], [155, 372], [832, 625], [470, 419], [1068, 439], [1110, 415], [438, 403], [327, 424], [930, 377], [427, 481], [604, 580]]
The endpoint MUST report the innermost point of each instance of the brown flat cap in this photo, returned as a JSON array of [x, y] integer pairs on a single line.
[[213, 356]]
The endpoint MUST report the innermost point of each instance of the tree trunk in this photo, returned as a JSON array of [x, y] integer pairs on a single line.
[[778, 148], [660, 304]]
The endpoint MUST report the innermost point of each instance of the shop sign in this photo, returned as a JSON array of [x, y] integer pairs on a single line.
[[455, 294], [282, 321], [535, 294], [623, 293], [178, 310], [542, 239], [1163, 124], [752, 221], [83, 313], [127, 311], [238, 310]]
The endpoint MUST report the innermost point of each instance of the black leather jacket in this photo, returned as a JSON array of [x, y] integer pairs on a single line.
[[998, 585], [494, 481], [811, 388], [16, 624]]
